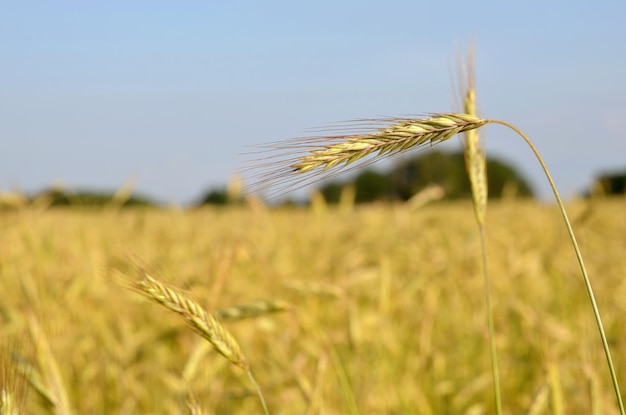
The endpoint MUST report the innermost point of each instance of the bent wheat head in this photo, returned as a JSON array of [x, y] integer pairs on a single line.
[[199, 320], [325, 156]]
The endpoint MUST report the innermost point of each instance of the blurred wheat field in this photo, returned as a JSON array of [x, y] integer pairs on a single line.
[[388, 312]]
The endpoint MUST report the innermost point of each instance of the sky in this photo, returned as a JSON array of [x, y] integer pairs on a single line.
[[170, 94]]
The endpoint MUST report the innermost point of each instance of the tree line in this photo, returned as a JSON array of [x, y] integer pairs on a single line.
[[404, 179]]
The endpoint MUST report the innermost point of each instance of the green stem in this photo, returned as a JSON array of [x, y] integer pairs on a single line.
[[490, 324], [579, 256], [259, 393]]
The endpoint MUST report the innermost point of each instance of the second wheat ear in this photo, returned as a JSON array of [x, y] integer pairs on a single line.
[[200, 321], [325, 156], [476, 166]]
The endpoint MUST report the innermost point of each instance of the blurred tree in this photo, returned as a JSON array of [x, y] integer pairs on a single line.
[[372, 186], [610, 184], [221, 196], [214, 197], [90, 198], [410, 176]]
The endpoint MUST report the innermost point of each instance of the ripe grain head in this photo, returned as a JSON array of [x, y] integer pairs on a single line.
[[198, 319], [475, 158], [325, 156]]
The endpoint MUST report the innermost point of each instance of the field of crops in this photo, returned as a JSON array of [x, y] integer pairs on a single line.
[[386, 309]]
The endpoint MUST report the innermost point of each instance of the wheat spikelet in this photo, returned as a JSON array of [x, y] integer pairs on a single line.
[[199, 320], [253, 309], [475, 159], [325, 156]]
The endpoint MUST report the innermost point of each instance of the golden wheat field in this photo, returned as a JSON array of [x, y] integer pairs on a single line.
[[385, 309]]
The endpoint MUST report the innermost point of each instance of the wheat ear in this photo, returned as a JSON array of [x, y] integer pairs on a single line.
[[200, 321], [475, 158], [399, 136], [476, 163], [324, 156]]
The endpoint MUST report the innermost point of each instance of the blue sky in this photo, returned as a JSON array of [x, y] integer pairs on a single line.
[[170, 93]]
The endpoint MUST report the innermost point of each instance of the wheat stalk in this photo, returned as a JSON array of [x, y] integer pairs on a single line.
[[53, 386], [331, 154], [579, 258], [476, 164]]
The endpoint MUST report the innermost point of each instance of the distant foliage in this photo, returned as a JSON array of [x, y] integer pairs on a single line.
[[220, 196], [214, 197], [612, 184], [370, 186], [447, 170], [61, 197]]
